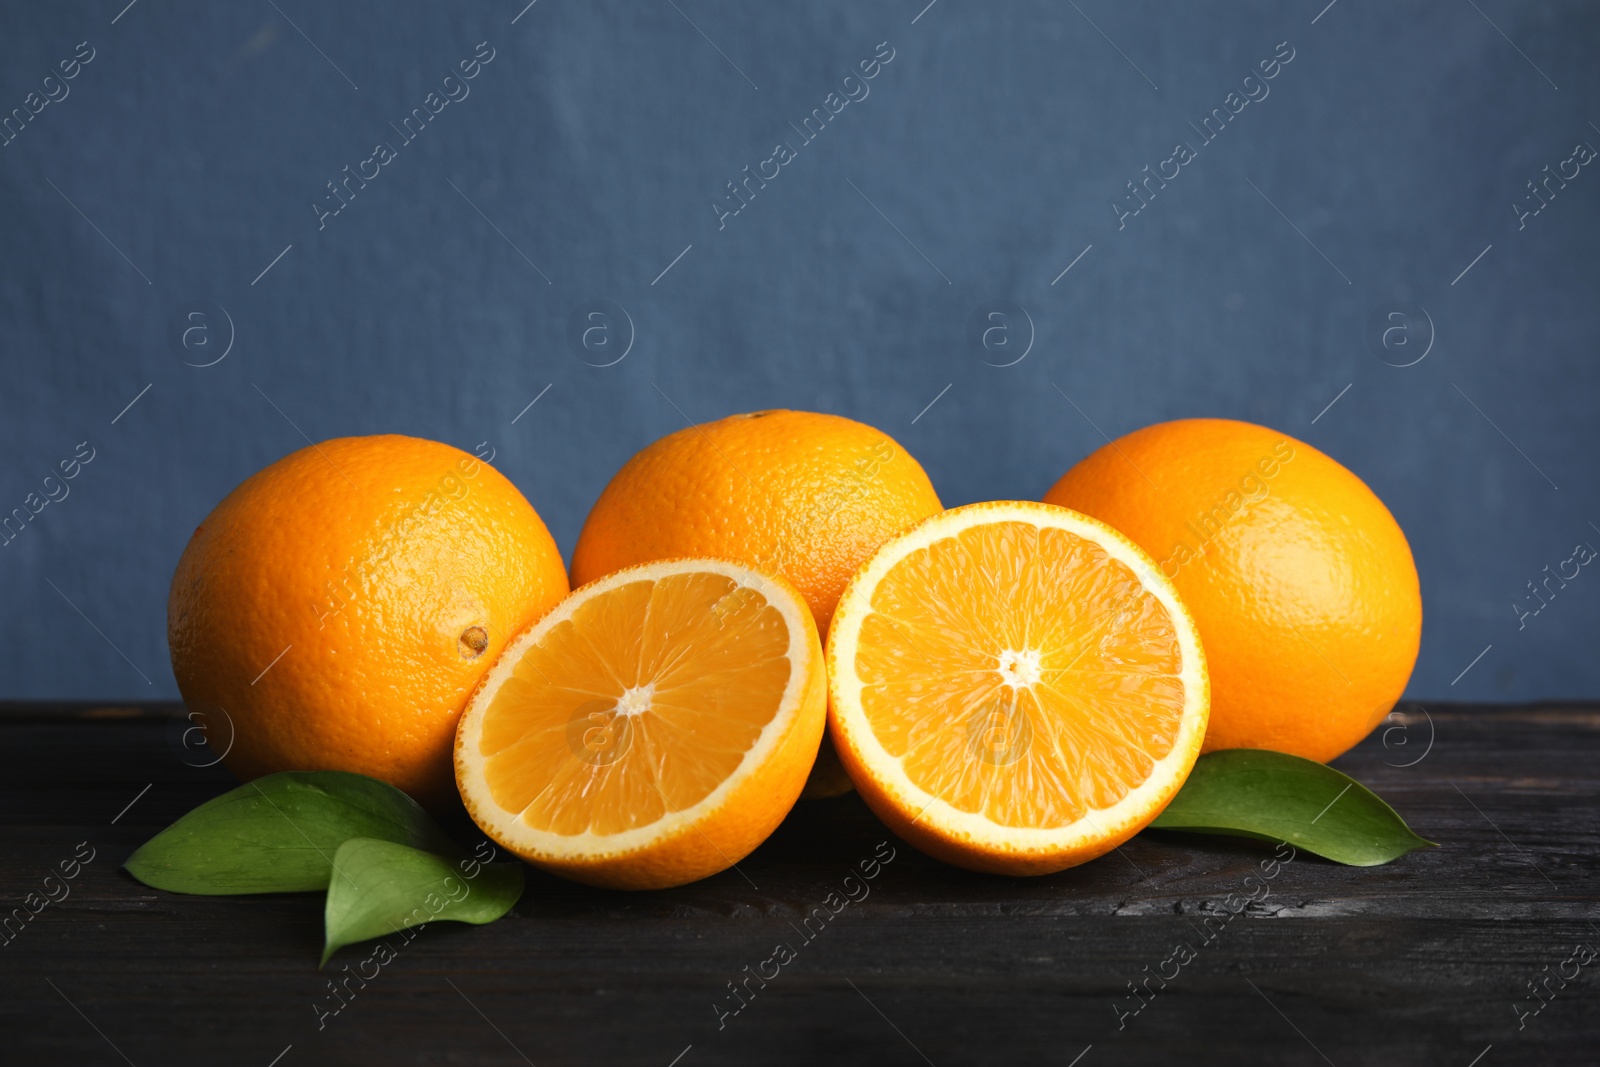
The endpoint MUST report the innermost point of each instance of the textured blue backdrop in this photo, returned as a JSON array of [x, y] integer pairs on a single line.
[[183, 170]]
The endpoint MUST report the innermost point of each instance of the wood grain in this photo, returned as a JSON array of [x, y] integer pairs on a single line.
[[1419, 961]]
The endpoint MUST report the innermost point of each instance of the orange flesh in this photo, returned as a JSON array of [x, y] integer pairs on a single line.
[[640, 704], [1035, 652]]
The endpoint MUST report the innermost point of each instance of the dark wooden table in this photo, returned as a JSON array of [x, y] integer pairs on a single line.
[[1426, 960]]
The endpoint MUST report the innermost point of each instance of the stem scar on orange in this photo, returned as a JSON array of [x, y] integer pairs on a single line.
[[335, 611]]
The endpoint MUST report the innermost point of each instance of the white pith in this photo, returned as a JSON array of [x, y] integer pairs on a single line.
[[932, 813], [1019, 670], [508, 827], [636, 701]]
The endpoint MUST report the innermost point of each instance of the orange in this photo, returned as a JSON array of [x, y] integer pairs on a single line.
[[1016, 688], [1301, 581], [335, 611], [806, 495], [801, 494], [651, 730]]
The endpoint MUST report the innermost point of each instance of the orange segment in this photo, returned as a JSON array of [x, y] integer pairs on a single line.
[[653, 729], [1016, 686]]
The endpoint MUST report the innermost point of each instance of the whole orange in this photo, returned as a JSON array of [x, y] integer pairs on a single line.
[[1301, 582], [802, 494], [335, 611], [806, 495]]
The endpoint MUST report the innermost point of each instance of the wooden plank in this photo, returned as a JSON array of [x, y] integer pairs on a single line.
[[1420, 960]]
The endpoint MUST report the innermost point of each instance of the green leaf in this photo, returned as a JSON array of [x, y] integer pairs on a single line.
[[379, 888], [1271, 796], [279, 834]]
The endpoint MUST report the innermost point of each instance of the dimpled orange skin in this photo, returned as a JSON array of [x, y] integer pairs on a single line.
[[1300, 581], [357, 569], [806, 495]]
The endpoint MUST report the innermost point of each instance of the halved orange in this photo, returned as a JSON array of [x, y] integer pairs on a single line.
[[653, 729], [1016, 687]]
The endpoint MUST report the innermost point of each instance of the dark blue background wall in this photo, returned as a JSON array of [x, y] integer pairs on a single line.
[[185, 158]]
